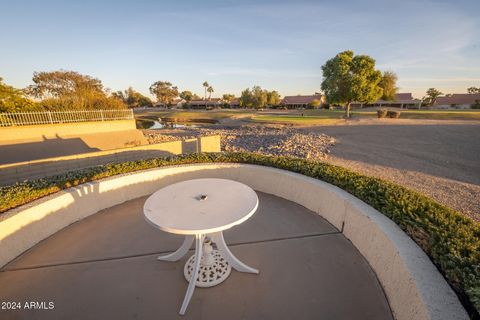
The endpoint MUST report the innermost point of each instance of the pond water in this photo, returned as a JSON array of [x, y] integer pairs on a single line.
[[157, 124]]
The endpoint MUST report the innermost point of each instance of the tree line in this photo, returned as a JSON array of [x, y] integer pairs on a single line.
[[255, 97], [351, 78], [70, 90], [58, 90], [347, 78], [258, 98]]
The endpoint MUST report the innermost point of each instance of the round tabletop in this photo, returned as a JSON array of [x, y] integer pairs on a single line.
[[200, 206]]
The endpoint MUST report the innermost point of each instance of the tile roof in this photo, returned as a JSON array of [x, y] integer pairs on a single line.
[[300, 99], [404, 96], [400, 98], [458, 98], [205, 102]]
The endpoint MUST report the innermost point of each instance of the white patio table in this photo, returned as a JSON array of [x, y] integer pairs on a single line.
[[201, 209]]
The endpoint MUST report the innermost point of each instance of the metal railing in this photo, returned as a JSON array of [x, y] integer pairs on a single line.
[[52, 117]]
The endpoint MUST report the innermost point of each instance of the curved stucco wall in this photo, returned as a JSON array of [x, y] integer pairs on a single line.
[[413, 286]]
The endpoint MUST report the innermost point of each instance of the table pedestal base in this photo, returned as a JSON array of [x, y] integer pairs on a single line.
[[214, 269], [210, 266]]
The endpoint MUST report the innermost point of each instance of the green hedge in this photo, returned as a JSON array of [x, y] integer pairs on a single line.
[[450, 239]]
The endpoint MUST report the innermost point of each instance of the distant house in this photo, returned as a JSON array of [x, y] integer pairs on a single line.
[[204, 104], [235, 103], [176, 103], [458, 101], [293, 102], [402, 100]]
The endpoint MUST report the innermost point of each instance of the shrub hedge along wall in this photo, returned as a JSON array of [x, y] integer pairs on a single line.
[[451, 240]]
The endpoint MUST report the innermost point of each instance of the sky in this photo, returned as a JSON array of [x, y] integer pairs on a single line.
[[278, 45]]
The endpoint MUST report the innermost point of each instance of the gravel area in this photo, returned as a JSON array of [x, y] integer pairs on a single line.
[[458, 195], [439, 159], [262, 139]]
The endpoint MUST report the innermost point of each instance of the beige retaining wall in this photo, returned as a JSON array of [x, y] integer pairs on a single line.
[[26, 143], [412, 284], [51, 131], [11, 173]]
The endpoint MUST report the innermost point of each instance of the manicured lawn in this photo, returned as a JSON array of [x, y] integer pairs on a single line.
[[308, 117], [432, 114], [197, 114], [442, 115], [293, 119], [329, 116], [322, 113], [405, 114]]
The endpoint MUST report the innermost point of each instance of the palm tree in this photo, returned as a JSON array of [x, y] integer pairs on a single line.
[[205, 85], [210, 90]]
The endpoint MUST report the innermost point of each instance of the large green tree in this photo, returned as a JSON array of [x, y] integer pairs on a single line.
[[314, 104], [63, 83], [227, 99], [273, 98], [133, 98], [348, 78], [164, 91], [258, 98], [389, 86], [14, 100], [186, 95], [70, 90], [473, 90], [246, 99], [432, 95]]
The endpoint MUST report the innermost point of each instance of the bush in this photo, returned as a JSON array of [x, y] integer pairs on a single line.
[[393, 114], [93, 102], [381, 113], [450, 239], [314, 104]]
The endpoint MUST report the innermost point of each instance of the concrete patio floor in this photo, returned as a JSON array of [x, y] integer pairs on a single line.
[[105, 267]]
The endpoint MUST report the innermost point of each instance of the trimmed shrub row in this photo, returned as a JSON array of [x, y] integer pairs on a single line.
[[450, 239], [383, 113]]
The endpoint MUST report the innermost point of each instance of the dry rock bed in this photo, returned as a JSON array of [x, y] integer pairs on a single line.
[[269, 140]]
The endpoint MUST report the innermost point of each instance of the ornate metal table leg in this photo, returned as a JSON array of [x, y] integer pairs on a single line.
[[207, 267], [196, 268], [238, 265], [177, 255], [214, 269]]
